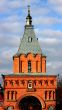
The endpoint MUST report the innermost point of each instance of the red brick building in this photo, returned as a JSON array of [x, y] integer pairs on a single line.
[[29, 87]]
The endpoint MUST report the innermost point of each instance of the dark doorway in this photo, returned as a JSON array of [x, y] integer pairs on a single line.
[[30, 103]]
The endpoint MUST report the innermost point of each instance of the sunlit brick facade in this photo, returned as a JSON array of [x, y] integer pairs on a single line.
[[29, 87], [38, 63]]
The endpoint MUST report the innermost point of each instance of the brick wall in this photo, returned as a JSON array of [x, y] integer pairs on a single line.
[[38, 63]]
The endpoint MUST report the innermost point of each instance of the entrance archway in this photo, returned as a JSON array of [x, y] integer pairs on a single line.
[[30, 103]]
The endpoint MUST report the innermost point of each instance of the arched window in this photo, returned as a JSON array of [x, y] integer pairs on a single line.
[[45, 94], [29, 66], [50, 94], [53, 95], [21, 66], [36, 66], [15, 95], [30, 39], [12, 94], [8, 92]]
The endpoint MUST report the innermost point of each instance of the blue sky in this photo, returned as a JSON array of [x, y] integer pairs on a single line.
[[47, 20]]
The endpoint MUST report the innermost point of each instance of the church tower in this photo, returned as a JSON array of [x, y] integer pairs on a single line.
[[29, 58], [29, 87]]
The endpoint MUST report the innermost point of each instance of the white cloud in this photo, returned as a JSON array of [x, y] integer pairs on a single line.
[[56, 5], [3, 4], [58, 9], [12, 18], [53, 67], [10, 41], [15, 4], [5, 71], [10, 27], [55, 2], [49, 40], [37, 11], [7, 54], [8, 5], [49, 34], [47, 20]]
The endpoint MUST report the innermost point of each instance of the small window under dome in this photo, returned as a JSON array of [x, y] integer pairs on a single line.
[[30, 39]]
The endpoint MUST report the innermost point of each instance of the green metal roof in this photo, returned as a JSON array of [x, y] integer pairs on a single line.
[[30, 74], [27, 46]]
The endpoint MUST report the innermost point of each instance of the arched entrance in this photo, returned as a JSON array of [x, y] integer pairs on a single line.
[[30, 103]]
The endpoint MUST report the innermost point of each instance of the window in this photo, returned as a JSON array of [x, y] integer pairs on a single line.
[[53, 95], [21, 66], [50, 94], [45, 94], [12, 94], [29, 39], [8, 94], [15, 95], [29, 66], [36, 66]]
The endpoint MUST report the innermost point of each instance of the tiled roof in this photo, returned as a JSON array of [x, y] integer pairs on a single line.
[[27, 46]]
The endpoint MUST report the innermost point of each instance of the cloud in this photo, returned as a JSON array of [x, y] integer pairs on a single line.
[[39, 11], [47, 20], [9, 41], [49, 33], [6, 61], [58, 9], [50, 41], [10, 27], [5, 71], [2, 5], [56, 2], [11, 18], [8, 5], [56, 5], [53, 67]]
